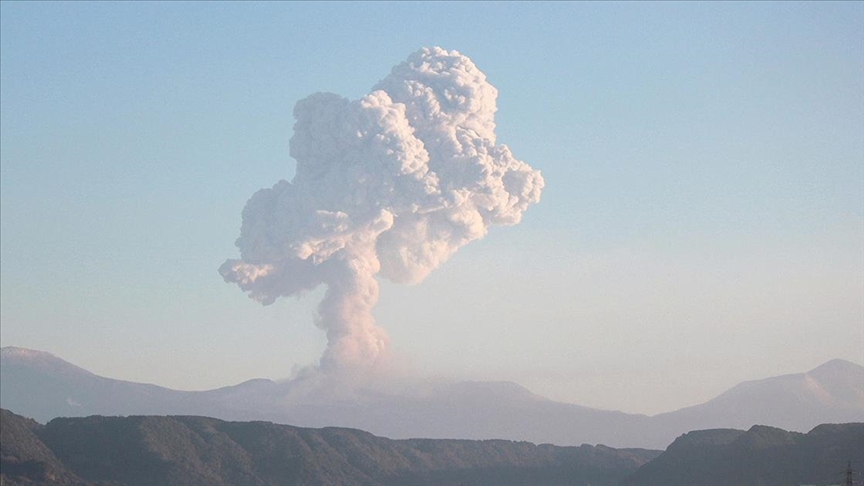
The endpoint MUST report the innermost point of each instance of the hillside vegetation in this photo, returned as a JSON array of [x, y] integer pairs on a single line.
[[191, 450], [764, 456], [186, 450]]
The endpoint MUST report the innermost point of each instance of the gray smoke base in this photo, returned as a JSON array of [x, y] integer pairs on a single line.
[[392, 184]]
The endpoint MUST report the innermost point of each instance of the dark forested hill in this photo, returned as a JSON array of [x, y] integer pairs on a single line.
[[764, 456], [149, 450], [189, 450], [24, 458]]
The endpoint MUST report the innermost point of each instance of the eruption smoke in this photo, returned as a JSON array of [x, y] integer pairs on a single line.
[[392, 184]]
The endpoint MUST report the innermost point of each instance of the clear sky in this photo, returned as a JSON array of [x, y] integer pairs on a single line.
[[702, 221]]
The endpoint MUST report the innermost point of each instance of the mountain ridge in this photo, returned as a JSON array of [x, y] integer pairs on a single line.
[[196, 450], [465, 410], [762, 455], [193, 450], [834, 391]]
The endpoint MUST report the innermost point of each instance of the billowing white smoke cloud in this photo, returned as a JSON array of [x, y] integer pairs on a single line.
[[391, 184]]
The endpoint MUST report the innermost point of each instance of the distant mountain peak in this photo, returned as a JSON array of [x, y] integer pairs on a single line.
[[490, 389], [24, 353], [11, 355], [837, 366]]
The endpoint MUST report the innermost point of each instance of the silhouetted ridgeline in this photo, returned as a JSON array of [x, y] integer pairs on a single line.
[[144, 450], [763, 456], [24, 458], [164, 451]]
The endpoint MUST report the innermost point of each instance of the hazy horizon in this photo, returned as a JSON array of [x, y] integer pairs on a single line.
[[701, 224], [309, 384]]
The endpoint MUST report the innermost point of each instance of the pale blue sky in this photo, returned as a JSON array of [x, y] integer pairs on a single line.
[[702, 222]]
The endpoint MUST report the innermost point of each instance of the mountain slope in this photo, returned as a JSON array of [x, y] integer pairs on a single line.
[[830, 393], [183, 450], [763, 455], [43, 386], [187, 450], [24, 458]]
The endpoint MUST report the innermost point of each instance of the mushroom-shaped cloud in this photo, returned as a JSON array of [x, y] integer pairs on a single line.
[[391, 184]]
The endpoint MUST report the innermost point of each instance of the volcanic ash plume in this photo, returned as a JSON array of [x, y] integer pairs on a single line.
[[391, 184]]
